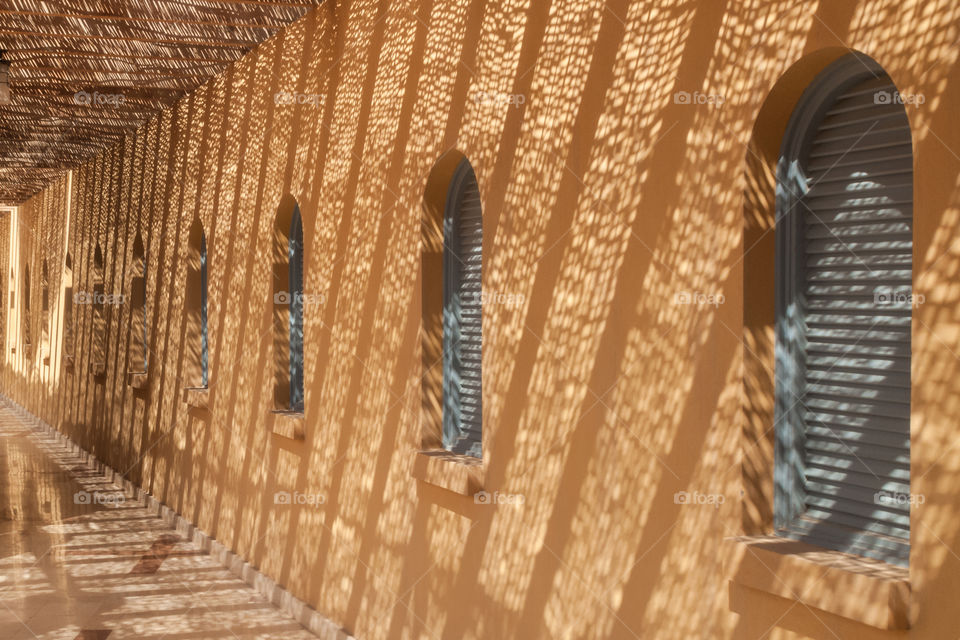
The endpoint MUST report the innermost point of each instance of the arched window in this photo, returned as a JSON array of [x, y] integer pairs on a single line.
[[204, 341], [296, 312], [844, 243], [462, 318], [68, 329], [138, 309], [44, 312], [25, 316], [98, 299], [288, 301], [44, 287], [13, 303], [197, 351]]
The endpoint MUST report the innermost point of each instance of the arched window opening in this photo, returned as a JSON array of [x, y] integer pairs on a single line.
[[296, 312], [195, 317], [98, 300], [25, 315], [844, 251], [462, 317], [13, 306], [204, 344], [288, 303], [138, 309], [44, 287], [44, 312], [68, 329]]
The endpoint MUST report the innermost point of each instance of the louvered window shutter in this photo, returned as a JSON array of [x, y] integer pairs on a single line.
[[462, 391], [295, 257], [844, 303], [204, 345]]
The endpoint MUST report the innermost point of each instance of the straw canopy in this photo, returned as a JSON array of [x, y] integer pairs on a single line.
[[83, 73]]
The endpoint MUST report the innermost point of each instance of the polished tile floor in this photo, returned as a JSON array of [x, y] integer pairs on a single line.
[[80, 560]]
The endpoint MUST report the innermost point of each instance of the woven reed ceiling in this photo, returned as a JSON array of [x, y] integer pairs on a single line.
[[72, 58]]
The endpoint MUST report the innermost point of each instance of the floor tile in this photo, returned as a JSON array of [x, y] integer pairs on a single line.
[[76, 570]]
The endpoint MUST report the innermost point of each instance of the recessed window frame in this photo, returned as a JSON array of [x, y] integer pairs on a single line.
[[97, 300], [462, 299], [295, 257], [139, 331], [195, 312]]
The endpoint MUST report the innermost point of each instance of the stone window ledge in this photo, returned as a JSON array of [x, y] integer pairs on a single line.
[[289, 424], [137, 379], [197, 397], [453, 472], [868, 591]]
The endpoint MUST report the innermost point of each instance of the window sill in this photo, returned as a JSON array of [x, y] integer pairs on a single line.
[[197, 397], [289, 424], [868, 591], [453, 472], [138, 379]]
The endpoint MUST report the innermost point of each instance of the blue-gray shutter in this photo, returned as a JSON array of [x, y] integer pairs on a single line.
[[204, 345], [295, 259], [844, 322], [462, 324]]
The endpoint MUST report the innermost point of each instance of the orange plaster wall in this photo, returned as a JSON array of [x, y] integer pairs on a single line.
[[603, 200]]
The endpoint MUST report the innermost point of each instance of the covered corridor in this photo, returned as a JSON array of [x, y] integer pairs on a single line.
[[480, 319]]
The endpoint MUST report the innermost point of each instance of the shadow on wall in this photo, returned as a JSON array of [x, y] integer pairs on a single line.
[[616, 371]]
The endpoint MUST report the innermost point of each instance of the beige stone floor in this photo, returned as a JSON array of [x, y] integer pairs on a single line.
[[106, 571]]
